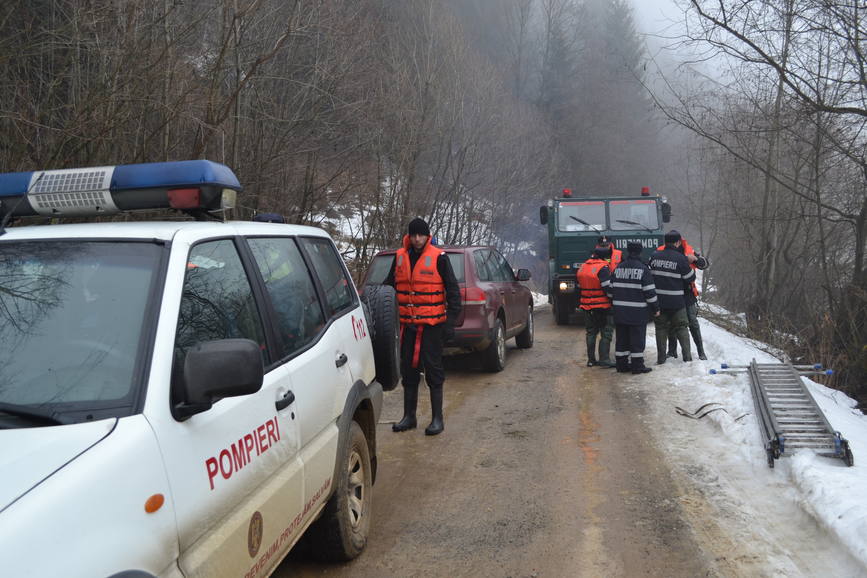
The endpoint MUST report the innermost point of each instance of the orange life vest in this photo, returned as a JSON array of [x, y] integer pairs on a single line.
[[421, 293], [687, 250], [592, 295]]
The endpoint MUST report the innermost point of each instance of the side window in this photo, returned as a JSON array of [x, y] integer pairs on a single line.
[[480, 258], [326, 262], [299, 316], [457, 262], [217, 301], [505, 272]]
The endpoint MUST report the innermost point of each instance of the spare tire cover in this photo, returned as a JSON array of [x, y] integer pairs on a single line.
[[381, 301]]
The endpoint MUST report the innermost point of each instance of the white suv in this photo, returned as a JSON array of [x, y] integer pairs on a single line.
[[179, 398]]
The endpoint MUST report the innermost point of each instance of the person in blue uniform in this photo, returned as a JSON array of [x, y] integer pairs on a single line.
[[673, 278], [633, 297]]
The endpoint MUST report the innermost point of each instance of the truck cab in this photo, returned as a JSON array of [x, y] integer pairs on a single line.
[[575, 224]]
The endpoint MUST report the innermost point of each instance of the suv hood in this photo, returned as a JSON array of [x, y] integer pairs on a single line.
[[30, 455]]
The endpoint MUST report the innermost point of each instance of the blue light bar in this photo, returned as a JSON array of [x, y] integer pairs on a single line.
[[176, 174], [108, 190]]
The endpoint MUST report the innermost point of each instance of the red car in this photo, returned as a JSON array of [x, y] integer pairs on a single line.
[[496, 305]]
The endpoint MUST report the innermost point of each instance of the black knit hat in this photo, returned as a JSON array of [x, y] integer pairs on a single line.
[[418, 226], [602, 252], [634, 247], [672, 236]]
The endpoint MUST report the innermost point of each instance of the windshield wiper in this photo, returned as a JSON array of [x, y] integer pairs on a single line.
[[585, 223], [625, 222], [49, 416]]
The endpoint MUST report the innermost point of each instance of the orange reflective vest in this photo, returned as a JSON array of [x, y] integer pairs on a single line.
[[687, 250], [616, 258], [592, 295], [421, 293]]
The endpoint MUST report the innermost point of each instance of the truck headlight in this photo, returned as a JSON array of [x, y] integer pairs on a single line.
[[563, 285]]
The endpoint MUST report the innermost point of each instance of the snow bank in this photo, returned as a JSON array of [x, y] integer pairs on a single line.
[[833, 494]]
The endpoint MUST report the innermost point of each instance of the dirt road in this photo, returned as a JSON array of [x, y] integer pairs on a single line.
[[545, 469]]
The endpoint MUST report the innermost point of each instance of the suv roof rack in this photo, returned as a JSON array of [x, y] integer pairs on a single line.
[[197, 187]]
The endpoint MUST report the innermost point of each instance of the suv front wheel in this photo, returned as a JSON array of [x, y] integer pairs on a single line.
[[341, 533]]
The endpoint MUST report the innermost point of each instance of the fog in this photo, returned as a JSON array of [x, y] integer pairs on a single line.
[[472, 113]]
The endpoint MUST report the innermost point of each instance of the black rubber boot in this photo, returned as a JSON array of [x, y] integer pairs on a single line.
[[672, 346], [638, 366], [622, 364], [591, 356], [436, 409], [699, 345], [410, 401]]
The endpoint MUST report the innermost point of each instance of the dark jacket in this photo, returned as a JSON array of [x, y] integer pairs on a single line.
[[632, 292], [672, 276], [701, 263]]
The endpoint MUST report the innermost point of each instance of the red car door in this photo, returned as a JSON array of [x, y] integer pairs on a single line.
[[488, 282], [508, 287]]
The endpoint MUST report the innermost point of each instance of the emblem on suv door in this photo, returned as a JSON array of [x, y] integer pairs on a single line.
[[254, 534]]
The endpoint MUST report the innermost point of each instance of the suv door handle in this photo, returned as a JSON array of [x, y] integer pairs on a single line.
[[341, 360], [285, 401]]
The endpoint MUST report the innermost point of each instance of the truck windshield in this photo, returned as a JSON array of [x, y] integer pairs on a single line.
[[633, 214], [72, 317], [572, 213]]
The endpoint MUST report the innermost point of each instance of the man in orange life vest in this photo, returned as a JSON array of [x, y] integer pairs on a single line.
[[593, 281], [615, 256], [429, 301]]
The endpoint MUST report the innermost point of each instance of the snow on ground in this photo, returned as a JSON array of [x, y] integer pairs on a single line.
[[793, 515]]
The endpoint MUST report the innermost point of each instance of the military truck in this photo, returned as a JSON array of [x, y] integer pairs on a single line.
[[575, 224]]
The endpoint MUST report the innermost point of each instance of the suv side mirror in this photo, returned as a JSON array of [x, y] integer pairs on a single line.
[[543, 215], [217, 369], [523, 275], [666, 212]]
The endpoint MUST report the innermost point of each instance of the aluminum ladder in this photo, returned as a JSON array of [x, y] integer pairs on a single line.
[[788, 415]]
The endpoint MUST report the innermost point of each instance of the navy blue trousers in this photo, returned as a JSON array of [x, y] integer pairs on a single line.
[[629, 346]]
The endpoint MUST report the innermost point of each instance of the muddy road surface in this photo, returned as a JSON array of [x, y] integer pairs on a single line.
[[548, 468]]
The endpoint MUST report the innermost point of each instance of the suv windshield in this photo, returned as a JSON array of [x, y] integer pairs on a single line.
[[72, 316], [629, 215]]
